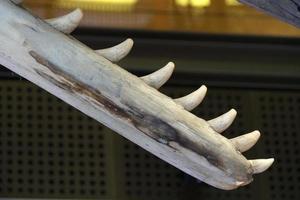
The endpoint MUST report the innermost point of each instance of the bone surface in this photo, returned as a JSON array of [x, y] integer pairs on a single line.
[[127, 104]]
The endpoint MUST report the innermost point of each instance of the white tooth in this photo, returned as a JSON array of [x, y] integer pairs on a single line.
[[118, 52], [17, 1], [245, 142], [160, 77], [67, 23], [222, 122], [192, 100], [261, 165]]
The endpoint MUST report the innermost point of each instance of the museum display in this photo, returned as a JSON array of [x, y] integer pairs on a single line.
[[43, 52]]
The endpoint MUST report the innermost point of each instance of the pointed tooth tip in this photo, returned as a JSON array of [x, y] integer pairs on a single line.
[[203, 89], [159, 77], [233, 112], [191, 101], [201, 93], [129, 41], [171, 65], [117, 52], [222, 122], [261, 165], [79, 12], [257, 134], [67, 23], [254, 134], [170, 68], [245, 142]]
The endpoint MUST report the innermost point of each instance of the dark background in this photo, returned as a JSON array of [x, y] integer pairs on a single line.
[[50, 150]]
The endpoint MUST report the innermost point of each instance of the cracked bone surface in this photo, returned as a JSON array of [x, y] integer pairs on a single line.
[[127, 104]]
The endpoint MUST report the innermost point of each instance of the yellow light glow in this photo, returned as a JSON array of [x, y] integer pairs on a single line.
[[232, 3], [183, 3], [193, 3], [109, 1], [200, 3], [101, 5]]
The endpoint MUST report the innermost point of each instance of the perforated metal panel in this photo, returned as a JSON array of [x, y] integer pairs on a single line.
[[48, 149], [279, 116]]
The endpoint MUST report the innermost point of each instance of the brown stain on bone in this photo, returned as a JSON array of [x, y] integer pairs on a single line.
[[150, 125]]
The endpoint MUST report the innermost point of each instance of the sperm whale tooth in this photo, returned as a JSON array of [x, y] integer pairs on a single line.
[[67, 23], [261, 165], [222, 122], [160, 77], [118, 52], [192, 100], [245, 142]]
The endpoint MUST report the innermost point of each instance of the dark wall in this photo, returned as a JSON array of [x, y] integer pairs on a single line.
[[50, 150]]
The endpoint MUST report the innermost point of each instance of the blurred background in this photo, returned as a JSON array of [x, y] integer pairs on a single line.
[[248, 60], [194, 16]]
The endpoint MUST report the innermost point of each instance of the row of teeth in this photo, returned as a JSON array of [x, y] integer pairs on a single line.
[[69, 23]]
